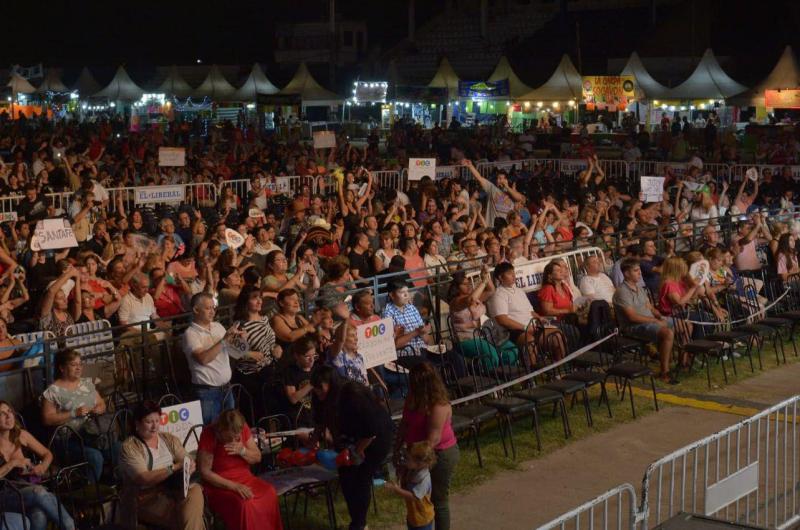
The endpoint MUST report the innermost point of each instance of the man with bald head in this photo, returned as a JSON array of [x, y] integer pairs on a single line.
[[137, 305]]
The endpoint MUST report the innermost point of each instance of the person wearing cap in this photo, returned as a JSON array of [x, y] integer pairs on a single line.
[[411, 332]]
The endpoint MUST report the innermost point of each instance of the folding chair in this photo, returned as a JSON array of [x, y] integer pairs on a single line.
[[706, 348], [241, 396], [84, 497], [628, 371]]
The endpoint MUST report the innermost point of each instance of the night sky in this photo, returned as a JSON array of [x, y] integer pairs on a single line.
[[144, 34]]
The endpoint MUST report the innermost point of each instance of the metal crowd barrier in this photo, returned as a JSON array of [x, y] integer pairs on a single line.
[[745, 474], [615, 508]]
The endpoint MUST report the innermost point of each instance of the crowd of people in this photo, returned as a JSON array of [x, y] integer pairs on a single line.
[[298, 279]]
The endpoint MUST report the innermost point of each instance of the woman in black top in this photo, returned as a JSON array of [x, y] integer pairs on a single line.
[[357, 421]]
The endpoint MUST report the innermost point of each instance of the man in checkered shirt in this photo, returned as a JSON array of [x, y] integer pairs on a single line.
[[411, 333]]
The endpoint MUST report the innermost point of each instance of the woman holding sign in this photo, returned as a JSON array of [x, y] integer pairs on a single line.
[[152, 469]]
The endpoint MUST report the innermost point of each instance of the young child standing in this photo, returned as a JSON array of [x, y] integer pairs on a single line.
[[415, 486]]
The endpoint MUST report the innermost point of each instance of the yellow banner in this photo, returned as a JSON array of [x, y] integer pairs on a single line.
[[608, 92]]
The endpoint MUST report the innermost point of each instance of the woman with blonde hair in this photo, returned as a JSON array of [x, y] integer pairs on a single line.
[[224, 456], [676, 289]]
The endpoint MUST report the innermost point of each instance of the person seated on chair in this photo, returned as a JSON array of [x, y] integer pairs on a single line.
[[224, 455], [637, 315], [595, 284], [41, 506], [151, 466], [69, 401], [509, 306], [467, 309]]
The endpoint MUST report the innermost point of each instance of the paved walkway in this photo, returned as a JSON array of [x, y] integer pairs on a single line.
[[547, 487]]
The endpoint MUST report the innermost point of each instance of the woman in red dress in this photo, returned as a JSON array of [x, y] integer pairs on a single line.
[[224, 456]]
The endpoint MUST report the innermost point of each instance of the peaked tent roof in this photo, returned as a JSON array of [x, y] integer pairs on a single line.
[[121, 87], [502, 71], [20, 85], [708, 81], [86, 84], [174, 84], [649, 87], [446, 77], [564, 84], [304, 85], [215, 86], [256, 83], [52, 82], [785, 74]]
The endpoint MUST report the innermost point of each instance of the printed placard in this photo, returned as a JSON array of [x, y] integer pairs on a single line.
[[54, 234], [652, 189], [376, 342], [421, 167], [280, 185], [171, 156], [233, 238], [324, 139], [178, 420], [159, 194], [573, 166], [6, 217]]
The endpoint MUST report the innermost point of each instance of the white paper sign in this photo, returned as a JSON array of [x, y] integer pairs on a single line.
[[699, 271], [421, 167], [54, 234], [324, 139], [376, 342], [652, 189], [233, 238], [159, 194], [278, 185], [171, 156], [752, 174], [573, 166], [8, 216], [178, 420]]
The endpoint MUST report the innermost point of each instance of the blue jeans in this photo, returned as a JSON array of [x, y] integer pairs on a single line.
[[41, 507], [211, 402], [14, 521]]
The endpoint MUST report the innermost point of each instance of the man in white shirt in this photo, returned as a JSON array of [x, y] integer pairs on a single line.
[[596, 285], [205, 344], [509, 305], [137, 305]]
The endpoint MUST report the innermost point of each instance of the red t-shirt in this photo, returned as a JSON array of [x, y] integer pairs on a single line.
[[561, 299], [670, 286]]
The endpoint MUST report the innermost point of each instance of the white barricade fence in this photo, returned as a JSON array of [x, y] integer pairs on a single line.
[[240, 187], [445, 172], [614, 168], [747, 473], [738, 171], [615, 508], [389, 180]]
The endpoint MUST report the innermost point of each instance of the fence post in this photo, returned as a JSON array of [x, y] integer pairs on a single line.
[[48, 364]]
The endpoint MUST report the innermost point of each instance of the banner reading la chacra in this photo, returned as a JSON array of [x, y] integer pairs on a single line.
[[608, 92]]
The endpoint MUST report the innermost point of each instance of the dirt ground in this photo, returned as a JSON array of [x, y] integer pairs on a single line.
[[545, 488]]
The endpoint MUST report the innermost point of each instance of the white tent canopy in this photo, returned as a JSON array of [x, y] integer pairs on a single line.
[[785, 75], [215, 86], [446, 77], [121, 88], [502, 71], [86, 84], [52, 82], [311, 93], [708, 81], [257, 83], [20, 85], [174, 84], [646, 86], [565, 84]]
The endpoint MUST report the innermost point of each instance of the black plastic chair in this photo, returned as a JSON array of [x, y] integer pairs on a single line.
[[169, 400], [558, 341], [707, 349], [628, 371], [7, 507], [241, 397], [83, 496]]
